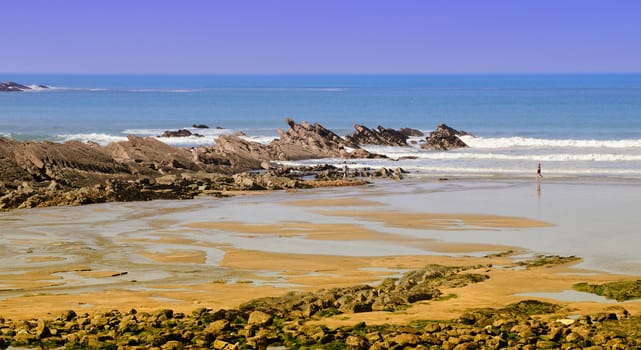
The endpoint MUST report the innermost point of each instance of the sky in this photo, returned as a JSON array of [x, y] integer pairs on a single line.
[[320, 37]]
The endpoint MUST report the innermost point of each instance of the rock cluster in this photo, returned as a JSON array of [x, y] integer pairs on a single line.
[[390, 295], [73, 173], [284, 323], [300, 141], [441, 139]]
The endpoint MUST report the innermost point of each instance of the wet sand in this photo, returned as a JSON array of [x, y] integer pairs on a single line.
[[217, 253]]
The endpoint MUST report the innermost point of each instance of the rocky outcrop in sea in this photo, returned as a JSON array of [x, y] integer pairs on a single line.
[[10, 86]]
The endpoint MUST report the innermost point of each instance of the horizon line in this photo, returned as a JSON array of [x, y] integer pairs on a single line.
[[325, 73]]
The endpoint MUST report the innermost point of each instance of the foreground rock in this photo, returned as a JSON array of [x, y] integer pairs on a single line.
[[444, 138], [284, 322]]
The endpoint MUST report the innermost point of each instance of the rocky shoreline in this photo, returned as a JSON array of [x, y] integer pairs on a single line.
[[38, 174], [295, 321]]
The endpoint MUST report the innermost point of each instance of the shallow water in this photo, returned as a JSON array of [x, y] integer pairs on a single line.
[[597, 221]]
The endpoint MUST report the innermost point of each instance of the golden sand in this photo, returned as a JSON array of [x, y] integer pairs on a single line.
[[255, 274]]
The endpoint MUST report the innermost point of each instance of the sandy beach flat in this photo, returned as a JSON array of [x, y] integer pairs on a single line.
[[210, 253]]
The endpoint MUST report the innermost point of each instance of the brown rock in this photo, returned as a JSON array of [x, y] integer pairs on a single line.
[[42, 330], [151, 153], [217, 327], [307, 141], [223, 345], [356, 342], [444, 138], [406, 339], [259, 318], [382, 136]]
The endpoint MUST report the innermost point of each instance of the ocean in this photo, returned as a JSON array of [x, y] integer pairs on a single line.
[[575, 125]]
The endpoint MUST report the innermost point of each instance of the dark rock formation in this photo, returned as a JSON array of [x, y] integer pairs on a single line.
[[300, 141], [307, 141], [444, 138], [13, 86], [179, 133], [200, 126], [381, 136]]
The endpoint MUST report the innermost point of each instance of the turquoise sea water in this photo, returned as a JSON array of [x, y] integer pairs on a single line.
[[575, 125]]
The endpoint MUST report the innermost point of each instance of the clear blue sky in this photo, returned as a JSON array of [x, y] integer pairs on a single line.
[[322, 36]]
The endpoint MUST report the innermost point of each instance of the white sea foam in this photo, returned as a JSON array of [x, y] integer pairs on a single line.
[[326, 89], [164, 90], [529, 156], [188, 141], [41, 88], [511, 142], [157, 132], [36, 88], [260, 139], [99, 138]]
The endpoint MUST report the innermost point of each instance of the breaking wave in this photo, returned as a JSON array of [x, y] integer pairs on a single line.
[[102, 139], [511, 142]]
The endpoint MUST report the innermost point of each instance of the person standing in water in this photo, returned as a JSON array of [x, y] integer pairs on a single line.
[[538, 172]]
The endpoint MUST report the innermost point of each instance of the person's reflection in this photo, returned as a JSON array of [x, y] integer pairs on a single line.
[[538, 189]]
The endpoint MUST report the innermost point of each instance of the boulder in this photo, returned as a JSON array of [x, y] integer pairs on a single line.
[[259, 318], [444, 138], [200, 126]]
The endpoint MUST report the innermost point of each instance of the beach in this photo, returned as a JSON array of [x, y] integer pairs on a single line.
[[221, 252], [115, 234]]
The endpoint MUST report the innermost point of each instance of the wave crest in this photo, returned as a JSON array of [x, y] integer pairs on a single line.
[[99, 138], [511, 142]]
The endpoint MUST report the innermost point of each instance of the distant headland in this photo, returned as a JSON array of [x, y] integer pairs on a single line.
[[9, 86]]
